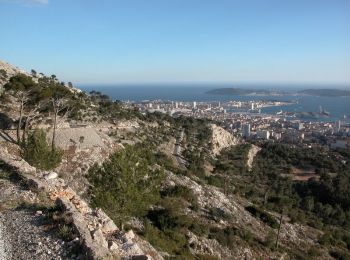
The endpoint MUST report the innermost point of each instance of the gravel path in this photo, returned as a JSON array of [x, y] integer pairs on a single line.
[[24, 237], [24, 234], [4, 248]]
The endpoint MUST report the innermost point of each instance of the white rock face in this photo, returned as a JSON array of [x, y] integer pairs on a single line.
[[16, 162], [125, 124], [10, 70], [251, 155], [82, 138], [221, 139]]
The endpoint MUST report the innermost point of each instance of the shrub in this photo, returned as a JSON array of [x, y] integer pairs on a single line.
[[217, 214], [270, 239], [126, 185], [339, 255], [206, 257], [171, 241], [226, 237], [215, 180], [37, 152], [199, 229], [263, 216], [314, 252], [65, 232], [180, 191]]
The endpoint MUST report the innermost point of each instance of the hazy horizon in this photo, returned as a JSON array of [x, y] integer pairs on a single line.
[[194, 41], [251, 85]]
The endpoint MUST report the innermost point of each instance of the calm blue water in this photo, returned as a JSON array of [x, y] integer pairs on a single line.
[[337, 106]]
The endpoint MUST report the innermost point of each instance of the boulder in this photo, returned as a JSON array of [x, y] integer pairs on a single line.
[[51, 176], [129, 235]]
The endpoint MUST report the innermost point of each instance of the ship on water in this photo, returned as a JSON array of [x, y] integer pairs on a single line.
[[324, 112], [313, 115]]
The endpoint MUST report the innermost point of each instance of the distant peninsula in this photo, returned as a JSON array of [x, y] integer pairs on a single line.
[[264, 92], [326, 92], [244, 92]]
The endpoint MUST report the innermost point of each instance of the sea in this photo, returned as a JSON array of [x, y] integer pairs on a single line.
[[338, 107]]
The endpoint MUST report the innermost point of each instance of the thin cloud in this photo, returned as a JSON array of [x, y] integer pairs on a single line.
[[26, 2]]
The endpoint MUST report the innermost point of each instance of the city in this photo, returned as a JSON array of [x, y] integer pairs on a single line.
[[245, 119]]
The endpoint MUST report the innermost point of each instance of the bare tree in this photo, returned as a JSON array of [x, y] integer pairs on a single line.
[[59, 104], [279, 229], [31, 114], [24, 88]]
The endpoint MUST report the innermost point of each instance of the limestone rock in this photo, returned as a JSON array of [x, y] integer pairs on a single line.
[[130, 235], [251, 155], [51, 176], [221, 139]]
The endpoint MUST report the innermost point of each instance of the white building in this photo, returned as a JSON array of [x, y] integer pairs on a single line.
[[263, 134], [276, 136], [338, 126]]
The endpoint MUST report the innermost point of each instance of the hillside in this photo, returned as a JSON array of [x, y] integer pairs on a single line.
[[108, 181]]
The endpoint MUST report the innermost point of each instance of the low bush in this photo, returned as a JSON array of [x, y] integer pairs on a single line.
[[263, 216], [218, 214], [170, 241], [199, 229], [226, 237], [179, 191]]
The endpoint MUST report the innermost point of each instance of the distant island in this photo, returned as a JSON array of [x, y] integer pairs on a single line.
[[244, 92], [326, 92], [264, 92]]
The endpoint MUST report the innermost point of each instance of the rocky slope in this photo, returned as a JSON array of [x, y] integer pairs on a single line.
[[97, 233], [233, 208], [221, 139], [10, 71]]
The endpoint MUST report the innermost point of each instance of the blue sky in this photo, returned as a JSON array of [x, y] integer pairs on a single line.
[[136, 41]]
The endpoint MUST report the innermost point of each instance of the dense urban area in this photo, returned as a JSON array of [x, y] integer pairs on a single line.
[[244, 118]]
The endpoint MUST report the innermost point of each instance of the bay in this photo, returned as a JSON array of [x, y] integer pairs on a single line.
[[336, 106]]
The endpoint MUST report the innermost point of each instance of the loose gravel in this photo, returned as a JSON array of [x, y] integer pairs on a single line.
[[25, 237], [4, 247], [26, 234]]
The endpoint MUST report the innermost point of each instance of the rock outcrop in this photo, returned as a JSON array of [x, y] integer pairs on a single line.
[[10, 71], [253, 151], [221, 139], [100, 237]]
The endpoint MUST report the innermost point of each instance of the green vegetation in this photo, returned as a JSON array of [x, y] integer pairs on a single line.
[[111, 110], [37, 152], [231, 236], [263, 216], [326, 199], [127, 183]]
